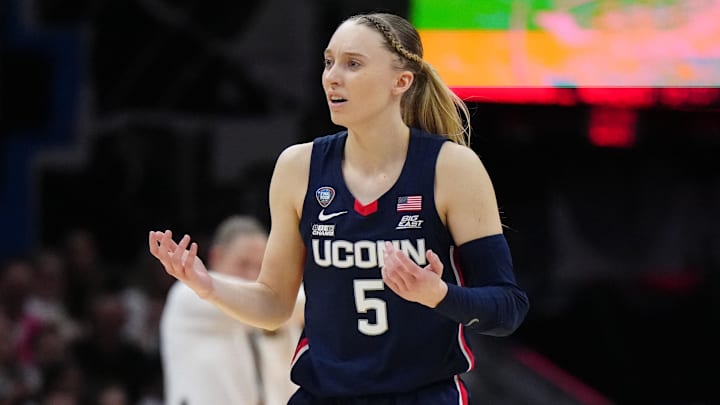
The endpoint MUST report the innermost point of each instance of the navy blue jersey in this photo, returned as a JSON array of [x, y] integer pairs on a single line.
[[360, 337]]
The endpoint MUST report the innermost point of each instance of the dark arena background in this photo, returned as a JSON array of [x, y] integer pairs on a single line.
[[118, 117]]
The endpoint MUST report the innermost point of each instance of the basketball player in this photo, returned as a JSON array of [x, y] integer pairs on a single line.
[[392, 225]]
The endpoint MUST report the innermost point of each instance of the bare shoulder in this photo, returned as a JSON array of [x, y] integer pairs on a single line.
[[290, 177], [296, 156], [293, 163], [464, 194], [459, 160]]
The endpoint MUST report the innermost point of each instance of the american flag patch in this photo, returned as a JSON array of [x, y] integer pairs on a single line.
[[409, 203]]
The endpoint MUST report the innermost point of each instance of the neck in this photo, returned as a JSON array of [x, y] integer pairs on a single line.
[[373, 149]]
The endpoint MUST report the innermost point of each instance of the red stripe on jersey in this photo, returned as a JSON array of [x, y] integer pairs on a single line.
[[462, 391], [455, 259], [457, 272], [302, 346], [365, 210], [469, 356]]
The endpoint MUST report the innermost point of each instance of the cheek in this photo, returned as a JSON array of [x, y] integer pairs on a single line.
[[376, 93], [368, 85]]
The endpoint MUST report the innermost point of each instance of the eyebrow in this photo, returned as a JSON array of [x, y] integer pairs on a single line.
[[351, 54]]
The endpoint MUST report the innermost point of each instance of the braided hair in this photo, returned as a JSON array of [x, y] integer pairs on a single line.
[[429, 104]]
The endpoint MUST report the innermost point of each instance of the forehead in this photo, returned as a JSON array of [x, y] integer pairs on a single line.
[[247, 245], [351, 37]]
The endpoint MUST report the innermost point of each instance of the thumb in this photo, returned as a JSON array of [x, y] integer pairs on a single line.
[[434, 263]]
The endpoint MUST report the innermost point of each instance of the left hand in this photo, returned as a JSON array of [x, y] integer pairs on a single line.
[[412, 282]]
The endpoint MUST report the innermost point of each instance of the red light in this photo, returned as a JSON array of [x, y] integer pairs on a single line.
[[617, 97], [611, 127], [517, 95]]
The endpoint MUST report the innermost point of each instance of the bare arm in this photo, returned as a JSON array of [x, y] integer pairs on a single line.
[[465, 196], [268, 302]]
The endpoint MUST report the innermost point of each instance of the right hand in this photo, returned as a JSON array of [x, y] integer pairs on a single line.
[[181, 262]]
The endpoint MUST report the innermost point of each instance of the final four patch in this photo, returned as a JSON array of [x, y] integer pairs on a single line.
[[325, 195]]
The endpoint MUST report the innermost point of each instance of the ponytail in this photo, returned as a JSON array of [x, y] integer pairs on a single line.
[[429, 104]]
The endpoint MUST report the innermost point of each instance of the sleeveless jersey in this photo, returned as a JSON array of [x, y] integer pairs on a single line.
[[361, 338]]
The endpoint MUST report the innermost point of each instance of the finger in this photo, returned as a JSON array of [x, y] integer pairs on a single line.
[[178, 255], [165, 243], [390, 248], [389, 281], [153, 243], [395, 275], [434, 263], [408, 267], [184, 242], [383, 273], [388, 259], [164, 250], [169, 243], [396, 267], [192, 254], [161, 239]]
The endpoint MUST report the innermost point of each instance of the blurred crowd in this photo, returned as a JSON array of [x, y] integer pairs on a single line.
[[77, 330]]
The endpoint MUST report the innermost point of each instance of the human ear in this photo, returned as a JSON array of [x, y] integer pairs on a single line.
[[403, 82]]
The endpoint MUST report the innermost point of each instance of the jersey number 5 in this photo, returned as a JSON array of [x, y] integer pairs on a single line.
[[365, 304]]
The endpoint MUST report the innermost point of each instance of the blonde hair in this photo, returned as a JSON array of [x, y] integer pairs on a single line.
[[429, 104], [237, 225]]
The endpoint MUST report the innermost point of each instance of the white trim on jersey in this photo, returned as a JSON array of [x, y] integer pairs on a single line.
[[461, 336], [456, 272], [461, 391], [300, 351]]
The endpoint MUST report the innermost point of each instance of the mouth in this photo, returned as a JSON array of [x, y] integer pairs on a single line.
[[336, 100]]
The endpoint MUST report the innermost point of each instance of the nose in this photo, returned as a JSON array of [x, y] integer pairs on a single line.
[[330, 76]]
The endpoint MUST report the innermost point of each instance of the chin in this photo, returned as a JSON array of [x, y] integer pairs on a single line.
[[338, 121]]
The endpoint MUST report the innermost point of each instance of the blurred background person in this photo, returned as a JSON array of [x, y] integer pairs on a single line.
[[209, 357], [106, 356]]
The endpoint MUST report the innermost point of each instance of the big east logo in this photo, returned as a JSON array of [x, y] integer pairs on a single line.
[[410, 222]]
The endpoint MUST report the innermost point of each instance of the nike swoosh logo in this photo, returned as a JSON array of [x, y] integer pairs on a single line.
[[474, 320], [324, 217]]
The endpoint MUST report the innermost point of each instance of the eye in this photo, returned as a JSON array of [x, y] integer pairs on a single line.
[[354, 64], [327, 62]]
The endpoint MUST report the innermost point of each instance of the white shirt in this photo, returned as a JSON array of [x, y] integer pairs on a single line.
[[207, 356]]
